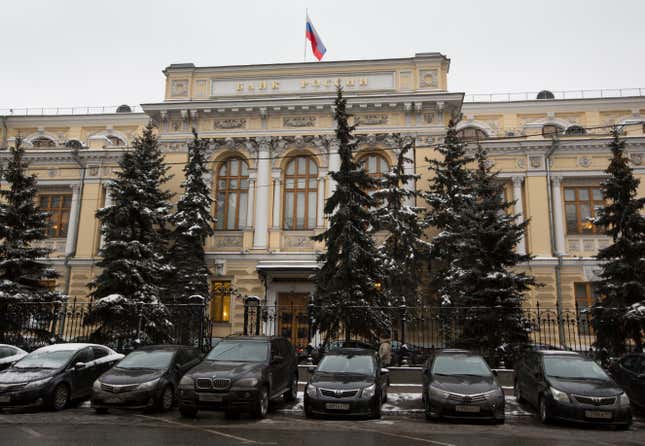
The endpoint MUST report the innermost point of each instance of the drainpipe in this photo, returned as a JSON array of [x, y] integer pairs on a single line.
[[555, 144], [4, 132], [72, 253]]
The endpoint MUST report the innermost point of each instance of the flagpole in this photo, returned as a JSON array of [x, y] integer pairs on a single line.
[[304, 56]]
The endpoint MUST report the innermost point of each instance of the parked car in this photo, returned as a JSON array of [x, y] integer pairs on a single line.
[[348, 381], [565, 385], [241, 374], [459, 384], [146, 378], [9, 355], [55, 375], [629, 373]]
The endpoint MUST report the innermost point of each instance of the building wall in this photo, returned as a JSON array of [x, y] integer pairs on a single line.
[[269, 114]]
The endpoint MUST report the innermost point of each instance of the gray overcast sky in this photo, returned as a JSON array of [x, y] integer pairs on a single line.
[[86, 52]]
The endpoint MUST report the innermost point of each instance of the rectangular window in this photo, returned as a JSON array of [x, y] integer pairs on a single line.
[[580, 206], [221, 301], [58, 206], [585, 295]]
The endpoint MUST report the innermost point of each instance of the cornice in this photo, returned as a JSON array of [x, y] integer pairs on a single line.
[[99, 120], [554, 105], [67, 156]]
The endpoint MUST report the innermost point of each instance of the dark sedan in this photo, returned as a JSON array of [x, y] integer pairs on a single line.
[[347, 381], [55, 375], [9, 355], [145, 379], [459, 384], [629, 373], [566, 386]]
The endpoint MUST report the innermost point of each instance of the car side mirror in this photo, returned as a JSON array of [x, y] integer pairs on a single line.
[[79, 366], [494, 372], [385, 371], [641, 376], [277, 359], [312, 369]]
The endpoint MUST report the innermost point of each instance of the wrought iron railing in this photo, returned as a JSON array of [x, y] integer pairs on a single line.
[[563, 94], [75, 110]]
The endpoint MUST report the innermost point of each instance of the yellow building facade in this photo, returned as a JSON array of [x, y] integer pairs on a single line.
[[273, 146]]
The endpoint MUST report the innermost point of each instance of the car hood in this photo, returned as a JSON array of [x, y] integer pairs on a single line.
[[116, 376], [586, 387], [225, 369], [341, 380], [12, 359], [15, 375], [465, 385]]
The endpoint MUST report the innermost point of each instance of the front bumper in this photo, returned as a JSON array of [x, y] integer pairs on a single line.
[[490, 409], [234, 398], [137, 399], [577, 412], [24, 398], [355, 406]]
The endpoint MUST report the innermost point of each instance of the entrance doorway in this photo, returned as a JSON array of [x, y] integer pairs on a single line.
[[292, 318]]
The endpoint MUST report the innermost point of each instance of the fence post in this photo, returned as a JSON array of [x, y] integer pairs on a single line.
[[404, 348], [138, 337], [246, 319], [202, 333], [52, 330]]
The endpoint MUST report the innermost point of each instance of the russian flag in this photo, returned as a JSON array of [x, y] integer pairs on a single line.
[[316, 43]]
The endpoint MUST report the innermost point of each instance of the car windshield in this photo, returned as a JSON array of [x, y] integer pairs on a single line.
[[240, 351], [5, 352], [572, 368], [147, 359], [362, 364], [460, 365], [52, 359]]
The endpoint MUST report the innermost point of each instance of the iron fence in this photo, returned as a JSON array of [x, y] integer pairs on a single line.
[[416, 332], [31, 325]]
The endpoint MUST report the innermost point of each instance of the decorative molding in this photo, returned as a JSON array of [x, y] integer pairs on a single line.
[[299, 121], [297, 240], [584, 161], [428, 78], [535, 162], [636, 158], [223, 241], [179, 87], [380, 119], [229, 123]]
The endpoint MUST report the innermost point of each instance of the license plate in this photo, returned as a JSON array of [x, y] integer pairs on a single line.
[[5, 399], [337, 406], [467, 409], [211, 398], [601, 414]]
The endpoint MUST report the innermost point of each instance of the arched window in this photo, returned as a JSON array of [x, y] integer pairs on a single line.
[[471, 134], [115, 141], [376, 165], [551, 130], [74, 144], [300, 194], [575, 130], [43, 141], [232, 194]]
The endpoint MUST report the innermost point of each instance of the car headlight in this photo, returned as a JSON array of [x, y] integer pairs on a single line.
[[368, 392], [560, 396], [312, 391], [623, 400], [96, 386], [36, 384], [186, 381], [436, 392], [148, 385], [246, 382], [493, 394]]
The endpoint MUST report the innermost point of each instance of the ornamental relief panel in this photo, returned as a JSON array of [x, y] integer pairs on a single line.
[[228, 241], [179, 87], [229, 124], [299, 121], [297, 241], [375, 119]]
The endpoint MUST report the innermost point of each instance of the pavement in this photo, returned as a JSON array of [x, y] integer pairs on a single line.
[[403, 423]]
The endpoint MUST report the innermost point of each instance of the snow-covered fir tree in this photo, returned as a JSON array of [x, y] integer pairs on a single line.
[[450, 190], [23, 265], [193, 223], [619, 315], [349, 294], [133, 254], [403, 249], [481, 277]]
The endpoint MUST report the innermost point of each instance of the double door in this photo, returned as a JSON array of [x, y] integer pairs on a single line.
[[292, 318]]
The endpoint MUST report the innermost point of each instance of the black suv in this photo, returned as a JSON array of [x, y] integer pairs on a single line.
[[241, 374]]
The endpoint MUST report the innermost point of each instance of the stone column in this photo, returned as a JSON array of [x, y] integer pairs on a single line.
[[73, 219], [249, 204], [277, 203], [260, 236], [108, 202], [519, 211], [320, 220], [558, 220]]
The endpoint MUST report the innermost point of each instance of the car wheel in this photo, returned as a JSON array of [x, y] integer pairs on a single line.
[[545, 416], [376, 412], [384, 400], [101, 410], [308, 412], [188, 412], [518, 392], [261, 406], [292, 392], [166, 399], [60, 397]]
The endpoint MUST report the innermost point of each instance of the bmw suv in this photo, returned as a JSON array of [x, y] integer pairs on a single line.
[[241, 374]]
